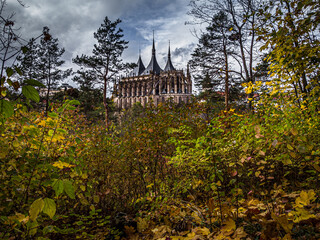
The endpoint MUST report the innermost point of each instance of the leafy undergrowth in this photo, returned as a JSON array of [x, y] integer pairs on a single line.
[[290, 216], [162, 173]]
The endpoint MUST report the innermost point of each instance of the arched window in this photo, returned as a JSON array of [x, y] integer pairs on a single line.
[[172, 85]]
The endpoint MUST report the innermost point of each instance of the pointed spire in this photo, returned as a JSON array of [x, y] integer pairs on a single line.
[[138, 70], [169, 65], [153, 66], [153, 47], [139, 50]]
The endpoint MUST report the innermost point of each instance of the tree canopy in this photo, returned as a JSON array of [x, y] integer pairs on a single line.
[[106, 59]]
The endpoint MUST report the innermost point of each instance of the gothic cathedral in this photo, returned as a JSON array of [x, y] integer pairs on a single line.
[[153, 83]]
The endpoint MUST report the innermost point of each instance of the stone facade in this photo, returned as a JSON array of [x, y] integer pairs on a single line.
[[152, 83]]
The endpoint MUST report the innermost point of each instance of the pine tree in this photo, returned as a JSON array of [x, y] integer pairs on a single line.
[[106, 59], [211, 56], [43, 62]]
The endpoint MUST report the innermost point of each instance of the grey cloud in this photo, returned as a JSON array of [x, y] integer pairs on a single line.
[[183, 51], [74, 21]]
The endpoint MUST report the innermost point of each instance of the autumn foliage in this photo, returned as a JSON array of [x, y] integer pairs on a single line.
[[171, 172]]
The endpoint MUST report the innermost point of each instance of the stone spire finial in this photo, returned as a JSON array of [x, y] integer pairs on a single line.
[[169, 66], [153, 47], [153, 66], [139, 50]]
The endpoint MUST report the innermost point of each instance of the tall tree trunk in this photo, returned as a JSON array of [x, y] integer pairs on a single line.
[[49, 86], [105, 104], [226, 88]]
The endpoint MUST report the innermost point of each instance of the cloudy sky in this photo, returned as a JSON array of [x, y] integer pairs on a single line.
[[73, 22]]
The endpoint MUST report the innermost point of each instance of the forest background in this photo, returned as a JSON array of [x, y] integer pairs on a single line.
[[240, 161]]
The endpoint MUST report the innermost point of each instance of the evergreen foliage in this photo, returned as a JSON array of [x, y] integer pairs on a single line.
[[42, 62], [106, 60]]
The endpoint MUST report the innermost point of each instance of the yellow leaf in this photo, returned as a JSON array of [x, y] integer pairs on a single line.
[[177, 238], [294, 132], [300, 214], [190, 236], [253, 202], [286, 161], [287, 237], [239, 234], [316, 167], [221, 236], [274, 91], [262, 153], [161, 231], [196, 217], [62, 165], [18, 217], [292, 154], [289, 147], [142, 224], [283, 221], [229, 227], [201, 231], [96, 198], [35, 208], [84, 176], [305, 198]]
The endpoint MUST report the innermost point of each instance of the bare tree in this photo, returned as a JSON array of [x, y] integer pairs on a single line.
[[243, 16]]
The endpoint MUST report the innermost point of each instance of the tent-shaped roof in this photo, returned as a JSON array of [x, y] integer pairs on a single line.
[[169, 66], [153, 66], [138, 70]]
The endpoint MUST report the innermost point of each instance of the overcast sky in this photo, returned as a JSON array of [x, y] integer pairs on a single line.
[[73, 22]]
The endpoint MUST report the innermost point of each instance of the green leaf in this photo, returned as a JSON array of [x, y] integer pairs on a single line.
[[18, 70], [6, 108], [9, 72], [53, 114], [31, 93], [62, 131], [24, 49], [33, 82], [74, 102], [58, 187], [9, 81], [49, 207], [3, 92], [16, 85], [71, 107], [32, 227], [289, 147], [78, 140], [68, 104], [48, 229], [35, 208], [69, 189]]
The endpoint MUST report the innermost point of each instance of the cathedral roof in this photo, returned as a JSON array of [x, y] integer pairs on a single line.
[[153, 65], [169, 66], [138, 69]]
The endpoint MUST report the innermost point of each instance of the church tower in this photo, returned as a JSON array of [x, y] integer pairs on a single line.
[[153, 66]]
